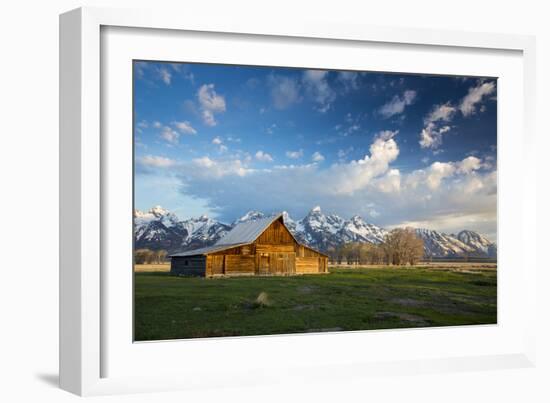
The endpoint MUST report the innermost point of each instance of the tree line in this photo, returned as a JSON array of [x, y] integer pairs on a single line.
[[148, 256], [401, 246]]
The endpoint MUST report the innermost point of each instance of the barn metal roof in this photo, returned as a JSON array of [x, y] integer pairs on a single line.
[[242, 234], [247, 232], [205, 250]]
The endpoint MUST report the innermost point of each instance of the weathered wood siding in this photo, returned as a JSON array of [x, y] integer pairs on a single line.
[[305, 265], [275, 234], [239, 265], [188, 266], [323, 264], [215, 265], [282, 263]]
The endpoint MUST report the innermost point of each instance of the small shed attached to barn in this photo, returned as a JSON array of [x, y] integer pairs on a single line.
[[259, 247]]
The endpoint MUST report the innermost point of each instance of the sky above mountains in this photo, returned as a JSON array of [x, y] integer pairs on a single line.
[[396, 149]]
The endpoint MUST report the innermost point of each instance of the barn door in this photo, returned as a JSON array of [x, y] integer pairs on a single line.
[[283, 263], [217, 264], [264, 264]]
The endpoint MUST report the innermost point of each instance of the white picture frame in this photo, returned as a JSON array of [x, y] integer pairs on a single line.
[[88, 320]]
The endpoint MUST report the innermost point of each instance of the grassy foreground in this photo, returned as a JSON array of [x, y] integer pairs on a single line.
[[169, 307]]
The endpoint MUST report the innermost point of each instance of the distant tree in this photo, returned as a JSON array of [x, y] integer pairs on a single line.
[[160, 256], [144, 256], [402, 246]]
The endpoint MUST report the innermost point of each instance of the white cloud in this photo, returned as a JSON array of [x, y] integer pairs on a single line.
[[469, 164], [443, 112], [204, 162], [432, 135], [263, 156], [207, 169], [157, 125], [284, 91], [318, 88], [349, 79], [397, 104], [185, 127], [437, 172], [165, 75], [317, 157], [170, 135], [210, 103], [217, 140], [295, 154], [155, 161], [342, 153], [390, 183], [475, 96], [348, 178], [271, 129], [446, 194], [386, 134]]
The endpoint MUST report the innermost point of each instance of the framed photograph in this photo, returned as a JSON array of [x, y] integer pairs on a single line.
[[320, 198]]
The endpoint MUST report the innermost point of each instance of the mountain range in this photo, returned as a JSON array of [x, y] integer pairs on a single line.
[[159, 228]]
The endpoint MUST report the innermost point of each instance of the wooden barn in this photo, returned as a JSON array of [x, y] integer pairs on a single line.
[[260, 247]]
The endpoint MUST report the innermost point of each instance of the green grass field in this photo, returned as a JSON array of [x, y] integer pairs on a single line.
[[169, 307]]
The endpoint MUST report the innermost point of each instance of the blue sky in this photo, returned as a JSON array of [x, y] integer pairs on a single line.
[[397, 149]]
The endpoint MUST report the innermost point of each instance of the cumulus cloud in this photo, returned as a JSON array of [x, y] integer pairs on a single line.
[[205, 169], [435, 125], [469, 164], [397, 104], [318, 88], [357, 174], [317, 157], [390, 182], [185, 127], [217, 140], [295, 154], [457, 189], [263, 156], [284, 91], [210, 104], [170, 135], [437, 172], [432, 135], [468, 105], [155, 161], [165, 75], [443, 112], [349, 80], [387, 134]]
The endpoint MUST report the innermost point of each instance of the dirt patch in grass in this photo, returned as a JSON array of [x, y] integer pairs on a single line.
[[407, 317], [407, 302], [307, 289]]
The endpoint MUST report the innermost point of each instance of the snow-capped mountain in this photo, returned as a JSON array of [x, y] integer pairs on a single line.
[[478, 242], [250, 216], [161, 229], [203, 231]]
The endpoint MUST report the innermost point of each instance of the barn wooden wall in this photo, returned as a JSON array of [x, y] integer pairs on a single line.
[[195, 266]]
